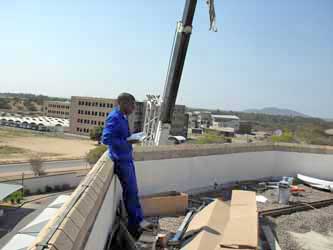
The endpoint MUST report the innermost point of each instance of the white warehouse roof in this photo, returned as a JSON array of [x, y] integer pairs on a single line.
[[229, 117]]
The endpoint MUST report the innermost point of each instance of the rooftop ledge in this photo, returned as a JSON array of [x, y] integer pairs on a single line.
[[191, 150]]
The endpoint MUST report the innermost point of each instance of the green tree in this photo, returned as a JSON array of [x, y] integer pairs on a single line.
[[4, 103], [96, 153], [96, 134], [36, 163]]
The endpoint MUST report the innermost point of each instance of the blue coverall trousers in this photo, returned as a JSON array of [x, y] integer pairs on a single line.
[[125, 171]]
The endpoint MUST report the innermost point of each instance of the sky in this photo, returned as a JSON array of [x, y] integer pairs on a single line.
[[265, 53]]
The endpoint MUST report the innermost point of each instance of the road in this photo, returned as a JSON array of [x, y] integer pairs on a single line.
[[48, 166]]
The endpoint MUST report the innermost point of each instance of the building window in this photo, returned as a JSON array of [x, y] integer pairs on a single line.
[[108, 105], [78, 120], [88, 112], [77, 129], [111, 105]]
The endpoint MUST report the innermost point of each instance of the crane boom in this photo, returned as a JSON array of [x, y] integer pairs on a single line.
[[159, 111], [183, 34], [184, 30]]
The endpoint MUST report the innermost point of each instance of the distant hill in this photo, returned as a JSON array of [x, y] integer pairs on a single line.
[[21, 102], [276, 111]]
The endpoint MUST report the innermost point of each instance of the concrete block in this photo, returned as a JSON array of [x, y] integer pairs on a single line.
[[91, 193], [96, 187], [84, 205], [70, 229], [105, 172], [76, 217], [97, 182], [61, 241]]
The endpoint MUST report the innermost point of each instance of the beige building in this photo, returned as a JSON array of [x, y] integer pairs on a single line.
[[87, 113], [56, 109]]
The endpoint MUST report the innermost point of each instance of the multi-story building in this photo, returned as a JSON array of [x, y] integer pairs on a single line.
[[87, 113], [223, 121], [56, 109], [179, 123], [205, 119]]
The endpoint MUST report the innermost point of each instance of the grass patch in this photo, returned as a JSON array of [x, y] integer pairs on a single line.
[[5, 150], [210, 138], [12, 132]]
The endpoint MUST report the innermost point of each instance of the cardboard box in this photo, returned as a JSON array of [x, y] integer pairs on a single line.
[[225, 225], [164, 204]]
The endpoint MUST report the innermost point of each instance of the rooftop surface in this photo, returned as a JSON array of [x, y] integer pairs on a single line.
[[220, 167]]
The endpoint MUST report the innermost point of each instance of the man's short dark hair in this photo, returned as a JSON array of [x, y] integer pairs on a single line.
[[125, 98]]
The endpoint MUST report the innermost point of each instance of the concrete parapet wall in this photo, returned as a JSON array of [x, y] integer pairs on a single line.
[[191, 150], [191, 168], [80, 217]]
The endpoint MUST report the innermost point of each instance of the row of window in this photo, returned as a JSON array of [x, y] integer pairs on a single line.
[[92, 122], [57, 112], [96, 104], [94, 113], [84, 130], [58, 106]]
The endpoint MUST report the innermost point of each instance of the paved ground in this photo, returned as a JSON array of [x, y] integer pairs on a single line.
[[50, 166]]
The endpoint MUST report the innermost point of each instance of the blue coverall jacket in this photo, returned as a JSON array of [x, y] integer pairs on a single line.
[[115, 133]]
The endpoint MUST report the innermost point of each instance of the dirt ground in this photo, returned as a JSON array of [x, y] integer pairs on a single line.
[[48, 147]]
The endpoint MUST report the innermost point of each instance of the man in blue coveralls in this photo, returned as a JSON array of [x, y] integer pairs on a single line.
[[115, 134]]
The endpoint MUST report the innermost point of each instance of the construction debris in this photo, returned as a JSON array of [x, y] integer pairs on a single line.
[[261, 198], [224, 225], [284, 193], [162, 204], [181, 230]]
